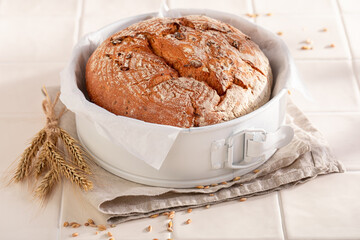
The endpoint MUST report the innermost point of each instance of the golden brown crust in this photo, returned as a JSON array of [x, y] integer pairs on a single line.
[[184, 72]]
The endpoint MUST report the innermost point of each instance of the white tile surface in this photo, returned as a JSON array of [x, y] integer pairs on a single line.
[[317, 7], [343, 134], [23, 217], [325, 208], [92, 24], [332, 85], [352, 29], [119, 8], [357, 72], [297, 29], [77, 209], [21, 83], [22, 129], [94, 19], [256, 218], [349, 6], [36, 38], [38, 8], [231, 6], [97, 14]]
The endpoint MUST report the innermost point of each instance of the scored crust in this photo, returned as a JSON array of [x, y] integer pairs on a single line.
[[185, 72]]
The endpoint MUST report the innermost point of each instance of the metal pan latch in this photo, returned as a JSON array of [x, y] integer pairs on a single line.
[[247, 148]]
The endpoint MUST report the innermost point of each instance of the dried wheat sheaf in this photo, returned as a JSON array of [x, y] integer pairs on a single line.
[[43, 161]]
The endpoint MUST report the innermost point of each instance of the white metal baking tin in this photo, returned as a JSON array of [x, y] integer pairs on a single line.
[[193, 159]]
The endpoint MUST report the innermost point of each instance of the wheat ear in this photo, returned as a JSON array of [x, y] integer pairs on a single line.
[[41, 162], [67, 170], [46, 185], [27, 156], [73, 148]]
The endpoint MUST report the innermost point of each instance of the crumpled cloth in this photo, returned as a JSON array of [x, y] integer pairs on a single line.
[[304, 158]]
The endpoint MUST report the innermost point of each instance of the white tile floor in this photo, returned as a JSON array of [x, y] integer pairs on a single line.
[[323, 209], [340, 129], [231, 6], [352, 26], [303, 7], [36, 39], [18, 86], [36, 8], [297, 29], [227, 220], [325, 80]]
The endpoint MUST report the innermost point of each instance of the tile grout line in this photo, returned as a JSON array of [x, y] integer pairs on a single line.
[[40, 114], [168, 3], [283, 226], [33, 62], [307, 113], [78, 17], [356, 78], [21, 114], [77, 23], [335, 59], [253, 10], [66, 61], [316, 113], [58, 237]]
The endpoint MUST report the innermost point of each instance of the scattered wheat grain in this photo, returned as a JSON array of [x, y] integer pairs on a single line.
[[101, 227], [236, 179]]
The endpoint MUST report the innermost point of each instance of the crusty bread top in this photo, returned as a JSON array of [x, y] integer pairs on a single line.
[[184, 72]]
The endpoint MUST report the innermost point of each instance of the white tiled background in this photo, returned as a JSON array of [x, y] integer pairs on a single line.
[[36, 39]]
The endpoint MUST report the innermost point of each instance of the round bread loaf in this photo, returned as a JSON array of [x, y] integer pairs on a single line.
[[185, 72]]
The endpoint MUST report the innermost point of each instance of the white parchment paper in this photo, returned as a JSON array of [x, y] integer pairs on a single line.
[[152, 142]]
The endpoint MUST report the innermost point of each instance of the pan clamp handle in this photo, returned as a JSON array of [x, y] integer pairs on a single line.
[[258, 146]]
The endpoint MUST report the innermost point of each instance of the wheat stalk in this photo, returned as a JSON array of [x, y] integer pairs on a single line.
[[67, 170], [41, 163], [73, 148], [47, 183], [27, 156], [43, 149]]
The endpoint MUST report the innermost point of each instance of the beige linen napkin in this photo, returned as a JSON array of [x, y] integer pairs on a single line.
[[304, 158]]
